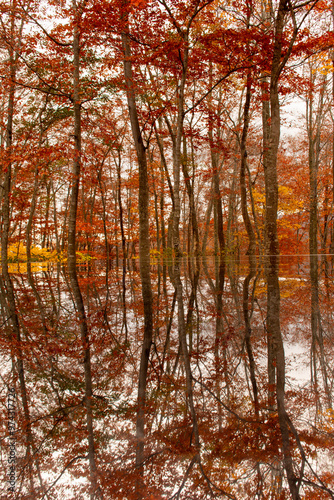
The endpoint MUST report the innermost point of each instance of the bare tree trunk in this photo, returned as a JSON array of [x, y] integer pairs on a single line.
[[55, 217], [46, 232], [243, 170], [332, 225], [76, 164], [35, 191]]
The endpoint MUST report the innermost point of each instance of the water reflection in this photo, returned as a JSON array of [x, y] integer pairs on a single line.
[[71, 346]]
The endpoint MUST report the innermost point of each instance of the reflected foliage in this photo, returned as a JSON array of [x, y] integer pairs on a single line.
[[239, 454]]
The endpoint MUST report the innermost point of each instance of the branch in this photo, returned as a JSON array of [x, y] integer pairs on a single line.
[[210, 483], [57, 42], [80, 457], [248, 421], [213, 87], [190, 466]]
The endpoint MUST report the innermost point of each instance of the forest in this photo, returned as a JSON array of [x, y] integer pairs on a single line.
[[167, 249]]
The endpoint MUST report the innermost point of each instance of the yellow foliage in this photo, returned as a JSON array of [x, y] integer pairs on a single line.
[[17, 257], [17, 252], [21, 267], [259, 201], [289, 286], [328, 420], [155, 253], [40, 258], [287, 202], [83, 257]]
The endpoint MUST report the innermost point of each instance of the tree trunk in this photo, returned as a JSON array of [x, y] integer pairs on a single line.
[[71, 253], [76, 165], [6, 283], [251, 246], [271, 141], [144, 242], [314, 136]]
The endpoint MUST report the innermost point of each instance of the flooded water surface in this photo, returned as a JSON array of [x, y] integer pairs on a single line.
[[231, 410]]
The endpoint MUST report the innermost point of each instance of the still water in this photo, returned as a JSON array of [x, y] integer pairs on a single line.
[[69, 382]]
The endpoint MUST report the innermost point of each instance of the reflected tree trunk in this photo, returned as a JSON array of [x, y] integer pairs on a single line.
[[124, 252], [86, 355], [8, 300]]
